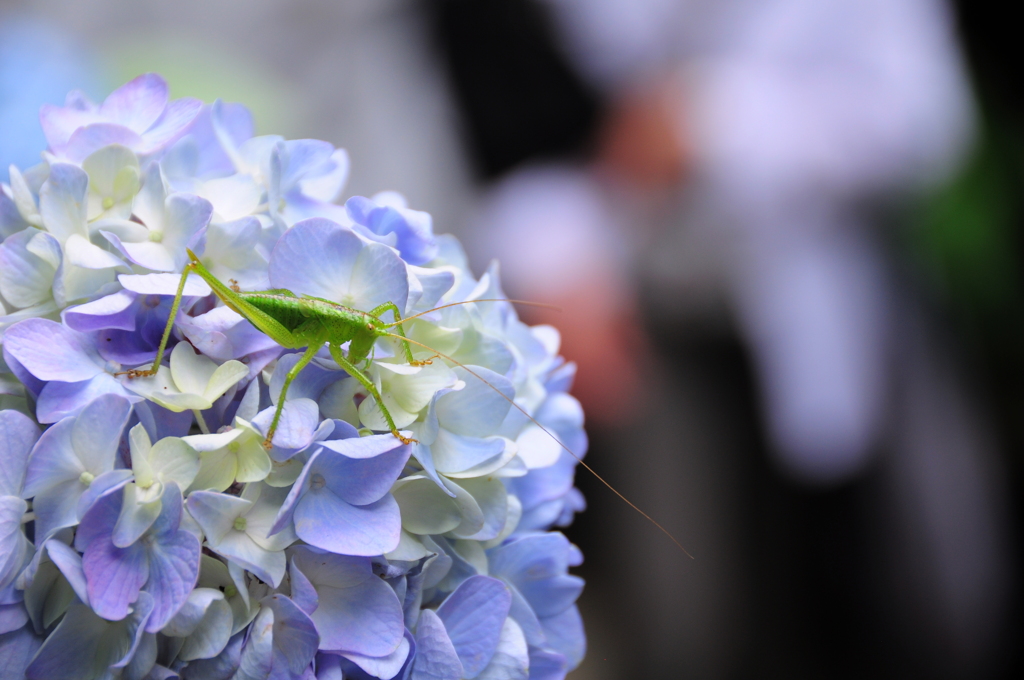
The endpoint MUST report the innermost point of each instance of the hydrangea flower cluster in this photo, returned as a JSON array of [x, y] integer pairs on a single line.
[[147, 530]]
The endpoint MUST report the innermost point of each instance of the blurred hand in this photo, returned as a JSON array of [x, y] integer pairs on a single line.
[[642, 140], [602, 334]]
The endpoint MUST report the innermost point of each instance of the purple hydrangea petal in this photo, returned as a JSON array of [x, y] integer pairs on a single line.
[[473, 616], [112, 311], [86, 140], [137, 104], [172, 124]]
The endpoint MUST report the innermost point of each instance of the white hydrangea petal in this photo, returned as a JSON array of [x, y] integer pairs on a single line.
[[426, 509], [190, 370], [223, 378], [233, 197], [175, 461]]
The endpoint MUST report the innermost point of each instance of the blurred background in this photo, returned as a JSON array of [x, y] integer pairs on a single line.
[[786, 236]]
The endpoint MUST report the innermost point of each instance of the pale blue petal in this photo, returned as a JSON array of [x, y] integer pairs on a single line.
[[366, 619], [173, 572], [14, 546], [114, 576], [51, 351], [473, 615], [84, 646], [100, 486], [315, 257], [547, 665], [17, 436], [476, 410], [295, 637], [365, 469], [565, 635], [70, 564], [379, 276], [17, 648], [455, 453], [511, 660], [135, 519], [62, 399], [97, 432], [383, 667], [62, 201], [257, 658], [221, 667], [303, 593], [436, 658], [325, 521], [295, 429]]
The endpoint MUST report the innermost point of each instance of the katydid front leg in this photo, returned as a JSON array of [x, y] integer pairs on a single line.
[[353, 371]]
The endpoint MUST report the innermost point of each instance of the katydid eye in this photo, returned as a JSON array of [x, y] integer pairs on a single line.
[[369, 326]]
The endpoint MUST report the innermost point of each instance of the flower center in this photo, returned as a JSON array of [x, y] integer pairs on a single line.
[[240, 523], [156, 236], [108, 202], [317, 481], [86, 478], [230, 591]]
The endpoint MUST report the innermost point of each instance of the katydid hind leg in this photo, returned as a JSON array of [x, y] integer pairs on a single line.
[[354, 371]]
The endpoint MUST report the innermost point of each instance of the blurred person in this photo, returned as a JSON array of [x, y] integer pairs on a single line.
[[745, 162]]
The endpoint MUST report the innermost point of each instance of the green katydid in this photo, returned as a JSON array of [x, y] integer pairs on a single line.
[[296, 322]]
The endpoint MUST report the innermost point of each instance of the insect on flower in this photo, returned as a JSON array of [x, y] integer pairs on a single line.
[[297, 322]]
